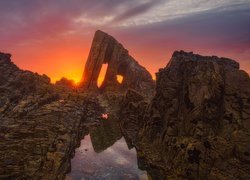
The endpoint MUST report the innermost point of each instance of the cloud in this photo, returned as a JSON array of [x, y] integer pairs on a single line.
[[38, 19], [215, 26], [223, 32], [172, 9], [150, 29], [137, 10]]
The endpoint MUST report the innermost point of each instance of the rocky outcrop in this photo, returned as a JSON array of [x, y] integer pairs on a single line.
[[16, 84], [39, 128], [106, 50], [133, 109], [197, 125]]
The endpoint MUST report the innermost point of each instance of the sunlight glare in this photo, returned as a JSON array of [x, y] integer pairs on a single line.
[[102, 75], [119, 78]]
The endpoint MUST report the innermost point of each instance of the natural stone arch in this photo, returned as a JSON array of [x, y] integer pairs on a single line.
[[105, 49]]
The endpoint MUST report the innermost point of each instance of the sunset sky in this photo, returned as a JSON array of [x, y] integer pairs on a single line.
[[53, 37]]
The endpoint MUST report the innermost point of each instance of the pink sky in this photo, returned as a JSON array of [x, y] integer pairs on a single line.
[[54, 39]]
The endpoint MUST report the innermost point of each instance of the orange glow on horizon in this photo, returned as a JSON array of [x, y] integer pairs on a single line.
[[59, 58], [56, 58], [66, 57], [76, 77]]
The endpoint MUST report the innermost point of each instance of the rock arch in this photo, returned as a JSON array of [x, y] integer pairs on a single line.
[[105, 49]]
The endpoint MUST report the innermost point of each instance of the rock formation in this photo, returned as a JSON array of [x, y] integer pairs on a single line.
[[197, 125], [106, 50], [39, 129], [133, 109]]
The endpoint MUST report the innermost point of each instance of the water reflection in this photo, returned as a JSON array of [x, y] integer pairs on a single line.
[[105, 135], [104, 154]]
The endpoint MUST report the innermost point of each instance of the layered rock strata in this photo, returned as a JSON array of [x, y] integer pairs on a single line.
[[197, 125], [39, 128]]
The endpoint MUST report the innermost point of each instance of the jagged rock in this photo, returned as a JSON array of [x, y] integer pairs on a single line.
[[197, 125], [106, 50], [19, 89], [39, 128], [133, 108]]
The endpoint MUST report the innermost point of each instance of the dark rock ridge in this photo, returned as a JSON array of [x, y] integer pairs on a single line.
[[133, 109], [16, 84], [40, 126], [106, 50], [65, 83], [197, 125]]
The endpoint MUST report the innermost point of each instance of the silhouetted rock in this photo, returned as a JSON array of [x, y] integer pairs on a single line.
[[197, 124], [106, 50], [64, 86], [66, 83]]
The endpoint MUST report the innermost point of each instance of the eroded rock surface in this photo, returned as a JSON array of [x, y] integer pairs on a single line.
[[133, 109], [40, 127], [106, 50], [197, 125]]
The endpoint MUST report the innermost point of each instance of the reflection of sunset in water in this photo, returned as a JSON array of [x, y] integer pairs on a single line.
[[115, 161], [104, 116]]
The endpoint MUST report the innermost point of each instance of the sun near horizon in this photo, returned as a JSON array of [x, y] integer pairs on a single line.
[[45, 41]]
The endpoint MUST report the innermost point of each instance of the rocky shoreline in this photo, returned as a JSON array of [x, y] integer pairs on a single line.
[[40, 125], [192, 124], [197, 125]]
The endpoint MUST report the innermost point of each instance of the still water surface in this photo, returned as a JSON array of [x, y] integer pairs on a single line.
[[104, 154]]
